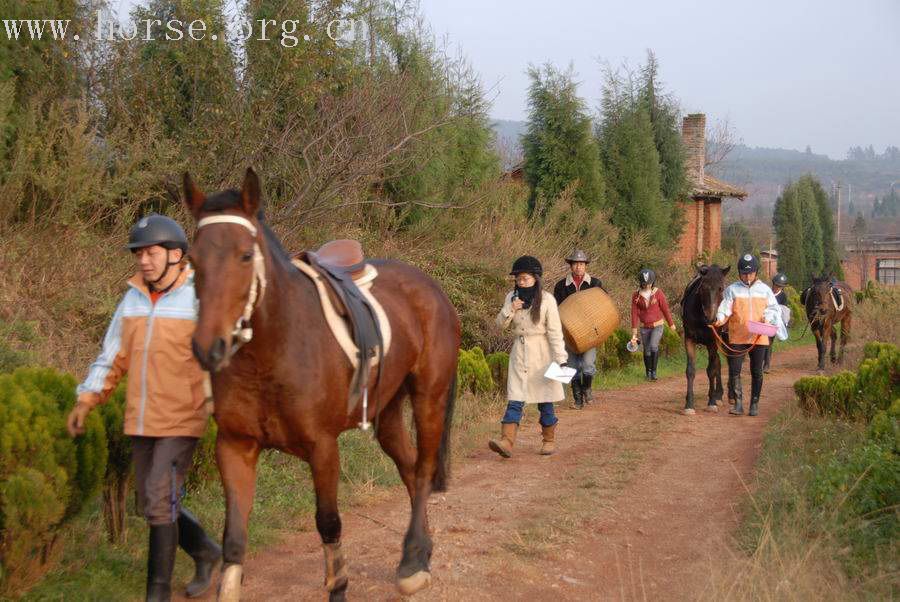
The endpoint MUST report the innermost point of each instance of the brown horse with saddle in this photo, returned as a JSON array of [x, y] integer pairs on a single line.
[[282, 379], [829, 303]]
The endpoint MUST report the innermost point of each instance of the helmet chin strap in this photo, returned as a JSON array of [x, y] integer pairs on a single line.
[[152, 283]]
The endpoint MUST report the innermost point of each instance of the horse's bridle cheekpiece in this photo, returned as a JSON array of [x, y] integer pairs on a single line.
[[243, 332]]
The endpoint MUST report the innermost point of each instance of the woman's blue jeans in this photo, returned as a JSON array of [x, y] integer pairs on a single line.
[[514, 413]]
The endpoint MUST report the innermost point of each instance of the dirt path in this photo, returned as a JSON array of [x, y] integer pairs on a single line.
[[636, 503]]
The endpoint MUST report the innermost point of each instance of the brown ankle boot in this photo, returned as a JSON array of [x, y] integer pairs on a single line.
[[549, 444], [504, 445]]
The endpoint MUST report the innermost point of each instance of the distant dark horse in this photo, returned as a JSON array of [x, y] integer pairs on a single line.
[[698, 311], [824, 314], [288, 387]]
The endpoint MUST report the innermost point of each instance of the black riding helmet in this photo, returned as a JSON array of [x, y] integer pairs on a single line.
[[528, 264], [159, 230], [646, 276], [780, 279], [748, 263]]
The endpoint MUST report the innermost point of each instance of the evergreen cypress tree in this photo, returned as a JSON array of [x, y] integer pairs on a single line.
[[787, 221], [558, 145], [830, 259], [813, 248], [665, 119], [631, 162]]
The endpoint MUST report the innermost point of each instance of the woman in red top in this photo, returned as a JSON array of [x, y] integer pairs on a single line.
[[649, 311]]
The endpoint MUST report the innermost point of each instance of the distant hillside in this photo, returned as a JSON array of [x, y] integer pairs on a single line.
[[763, 171]]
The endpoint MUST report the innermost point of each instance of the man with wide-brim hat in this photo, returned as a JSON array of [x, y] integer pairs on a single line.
[[579, 280]]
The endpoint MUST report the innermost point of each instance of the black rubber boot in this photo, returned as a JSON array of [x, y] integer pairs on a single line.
[[754, 406], [654, 363], [587, 392], [648, 366], [206, 553], [161, 561], [577, 394], [738, 396]]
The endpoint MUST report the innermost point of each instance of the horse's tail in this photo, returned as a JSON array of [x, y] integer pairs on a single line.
[[442, 474]]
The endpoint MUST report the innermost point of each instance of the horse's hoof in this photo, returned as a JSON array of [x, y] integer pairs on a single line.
[[712, 408], [688, 411], [414, 583], [230, 587]]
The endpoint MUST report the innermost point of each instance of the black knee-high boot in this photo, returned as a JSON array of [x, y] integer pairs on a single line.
[[161, 562], [654, 363], [648, 365], [199, 546], [738, 395], [587, 384]]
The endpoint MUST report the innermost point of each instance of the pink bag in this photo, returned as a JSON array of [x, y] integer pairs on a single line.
[[762, 328]]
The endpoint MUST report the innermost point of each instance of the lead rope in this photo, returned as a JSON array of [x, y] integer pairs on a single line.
[[735, 352]]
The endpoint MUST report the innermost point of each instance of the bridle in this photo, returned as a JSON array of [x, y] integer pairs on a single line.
[[243, 332]]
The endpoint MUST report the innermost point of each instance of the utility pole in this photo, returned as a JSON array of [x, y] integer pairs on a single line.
[[838, 187]]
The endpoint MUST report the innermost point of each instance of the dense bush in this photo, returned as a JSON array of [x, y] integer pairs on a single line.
[[798, 315], [873, 349], [670, 344], [499, 365], [859, 489], [612, 354], [473, 371], [855, 395], [879, 378], [885, 426], [45, 475], [117, 479]]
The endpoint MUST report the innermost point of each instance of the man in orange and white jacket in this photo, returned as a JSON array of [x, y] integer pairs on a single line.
[[748, 299], [149, 338]]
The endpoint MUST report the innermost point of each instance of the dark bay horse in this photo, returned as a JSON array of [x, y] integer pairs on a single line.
[[824, 315], [287, 388], [698, 311]]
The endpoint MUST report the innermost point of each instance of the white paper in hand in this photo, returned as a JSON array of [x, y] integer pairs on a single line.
[[559, 373]]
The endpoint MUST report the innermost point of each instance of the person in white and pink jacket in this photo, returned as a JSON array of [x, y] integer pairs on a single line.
[[747, 300]]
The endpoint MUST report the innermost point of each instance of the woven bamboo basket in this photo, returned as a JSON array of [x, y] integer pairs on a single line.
[[588, 318]]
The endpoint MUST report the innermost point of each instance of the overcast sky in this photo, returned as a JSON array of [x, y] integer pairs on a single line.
[[786, 73]]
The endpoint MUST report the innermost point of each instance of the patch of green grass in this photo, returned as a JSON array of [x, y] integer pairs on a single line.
[[788, 538]]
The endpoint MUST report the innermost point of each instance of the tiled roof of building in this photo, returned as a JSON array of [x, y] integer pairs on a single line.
[[714, 187]]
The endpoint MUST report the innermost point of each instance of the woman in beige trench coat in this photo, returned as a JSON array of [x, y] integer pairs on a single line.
[[533, 317]]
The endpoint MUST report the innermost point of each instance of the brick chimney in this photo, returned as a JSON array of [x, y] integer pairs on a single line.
[[693, 135]]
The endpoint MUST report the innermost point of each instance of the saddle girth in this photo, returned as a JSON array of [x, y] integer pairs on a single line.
[[364, 325]]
